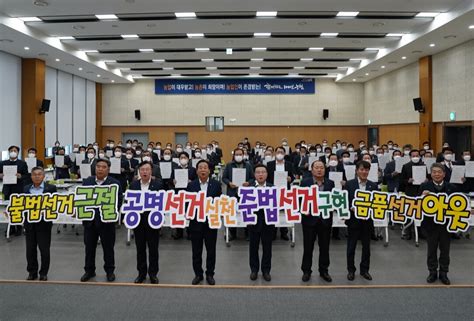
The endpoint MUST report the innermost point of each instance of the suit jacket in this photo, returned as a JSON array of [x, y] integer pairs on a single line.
[[338, 168], [393, 182], [271, 166], [310, 220], [428, 222], [48, 188], [213, 190], [351, 186], [191, 173], [27, 179], [90, 181], [227, 175], [407, 173], [22, 169], [299, 164], [63, 172], [258, 227]]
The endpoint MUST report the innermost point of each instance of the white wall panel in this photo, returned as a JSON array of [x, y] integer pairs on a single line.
[[79, 111]]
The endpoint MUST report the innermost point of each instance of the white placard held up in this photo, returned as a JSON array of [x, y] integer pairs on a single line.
[[109, 153], [373, 173], [470, 169], [194, 161], [311, 160], [336, 177], [181, 177], [157, 152], [457, 173], [419, 174], [238, 176], [115, 165], [399, 162], [383, 160], [428, 162], [176, 160], [80, 158], [352, 156], [287, 150], [9, 174], [85, 170], [165, 168], [31, 162], [350, 171], [59, 160], [280, 178]]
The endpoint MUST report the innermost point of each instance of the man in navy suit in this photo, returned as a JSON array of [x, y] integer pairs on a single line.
[[357, 228], [315, 227], [96, 228], [260, 231], [144, 234], [201, 233], [38, 235], [437, 234]]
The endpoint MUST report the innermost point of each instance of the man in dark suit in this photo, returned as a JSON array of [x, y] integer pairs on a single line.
[[438, 235], [315, 227], [90, 159], [357, 228], [200, 231], [279, 164], [144, 234], [38, 235], [448, 155], [32, 153], [232, 189], [96, 228], [390, 176], [260, 231], [122, 176], [63, 172]]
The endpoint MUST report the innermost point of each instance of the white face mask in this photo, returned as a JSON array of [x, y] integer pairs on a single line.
[[351, 149], [197, 155], [179, 150], [75, 150], [166, 157], [146, 158], [13, 155], [467, 158], [379, 155], [346, 160], [138, 152], [312, 154], [112, 145], [448, 157], [183, 161], [128, 145], [426, 147], [90, 156], [371, 152], [238, 158], [318, 150], [406, 152], [397, 157], [268, 158], [149, 149], [280, 156], [101, 155], [118, 154], [31, 155], [363, 152], [327, 154], [129, 156], [344, 147], [333, 163], [390, 146], [285, 144], [415, 160]]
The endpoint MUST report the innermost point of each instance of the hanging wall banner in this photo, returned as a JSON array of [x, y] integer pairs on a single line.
[[226, 86]]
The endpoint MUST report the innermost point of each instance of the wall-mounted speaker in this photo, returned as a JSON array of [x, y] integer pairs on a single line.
[[137, 114], [45, 106], [325, 114], [417, 103]]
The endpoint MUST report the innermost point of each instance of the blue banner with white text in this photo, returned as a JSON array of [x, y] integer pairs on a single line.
[[209, 86]]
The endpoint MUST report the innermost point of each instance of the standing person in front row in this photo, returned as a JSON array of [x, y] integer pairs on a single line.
[[260, 231], [96, 228], [438, 235], [358, 228], [200, 231], [38, 235], [144, 234], [316, 227]]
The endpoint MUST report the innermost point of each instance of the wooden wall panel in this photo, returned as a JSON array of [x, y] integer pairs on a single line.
[[229, 138], [401, 134], [426, 129]]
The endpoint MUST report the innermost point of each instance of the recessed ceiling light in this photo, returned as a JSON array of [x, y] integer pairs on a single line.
[[207, 60], [354, 59], [229, 51], [66, 38], [316, 48], [298, 67], [383, 67], [158, 60], [372, 49], [27, 48], [256, 59], [432, 45], [202, 49], [167, 68], [185, 15], [328, 34], [129, 36], [91, 51], [347, 13], [259, 49], [195, 35], [254, 67], [366, 73], [395, 34], [29, 19], [98, 76], [262, 34], [471, 27], [40, 3], [404, 57], [211, 68], [106, 16], [110, 61], [146, 50], [58, 60], [306, 59], [80, 68], [427, 14], [112, 80], [353, 79], [266, 13]]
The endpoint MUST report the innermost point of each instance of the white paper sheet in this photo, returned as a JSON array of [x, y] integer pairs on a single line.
[[181, 177], [336, 177], [59, 160], [457, 174], [280, 178], [109, 153], [31, 162], [238, 176], [470, 169], [189, 152], [428, 162], [9, 174], [165, 168], [176, 160], [287, 150], [85, 170], [352, 156], [157, 152], [419, 174], [374, 172], [383, 160], [280, 167], [80, 158], [311, 160], [194, 161], [350, 171], [115, 165], [399, 162]]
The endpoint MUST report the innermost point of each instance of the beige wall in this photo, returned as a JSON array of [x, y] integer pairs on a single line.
[[389, 98], [344, 101], [453, 83]]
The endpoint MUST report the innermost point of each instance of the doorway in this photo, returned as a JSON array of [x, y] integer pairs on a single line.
[[459, 138], [181, 138]]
